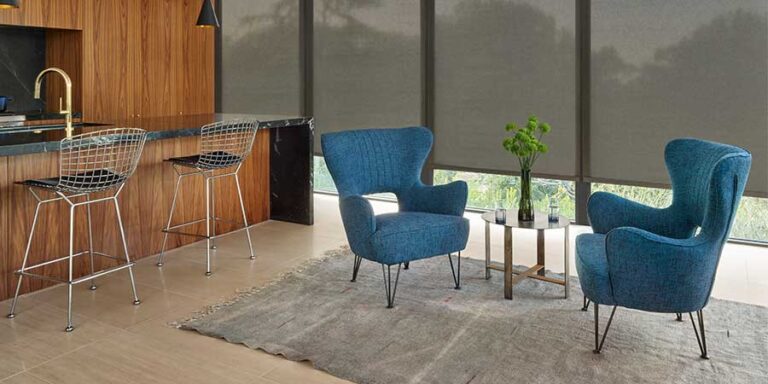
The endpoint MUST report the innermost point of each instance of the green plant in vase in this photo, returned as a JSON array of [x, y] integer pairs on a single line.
[[526, 144]]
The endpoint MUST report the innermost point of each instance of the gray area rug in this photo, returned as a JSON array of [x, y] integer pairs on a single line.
[[436, 334]]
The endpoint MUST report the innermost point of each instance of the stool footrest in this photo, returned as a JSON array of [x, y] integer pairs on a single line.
[[198, 221], [102, 273], [188, 234], [63, 258], [79, 279], [220, 219], [41, 277]]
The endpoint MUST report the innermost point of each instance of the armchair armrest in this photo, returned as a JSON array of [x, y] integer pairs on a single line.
[[607, 211], [660, 274], [446, 199], [359, 222]]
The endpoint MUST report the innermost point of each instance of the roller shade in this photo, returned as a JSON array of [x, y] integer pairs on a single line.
[[666, 69], [367, 65], [499, 61], [260, 57]]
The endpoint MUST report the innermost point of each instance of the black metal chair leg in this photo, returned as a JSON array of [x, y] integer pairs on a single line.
[[356, 267], [406, 265], [679, 316], [391, 290], [702, 340], [599, 346], [586, 304], [456, 272]]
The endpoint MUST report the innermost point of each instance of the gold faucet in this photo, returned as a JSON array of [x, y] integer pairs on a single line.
[[67, 112]]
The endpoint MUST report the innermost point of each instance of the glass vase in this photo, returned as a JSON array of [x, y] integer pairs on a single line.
[[525, 209]]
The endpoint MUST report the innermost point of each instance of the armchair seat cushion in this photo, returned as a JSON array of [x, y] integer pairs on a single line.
[[592, 266], [407, 236]]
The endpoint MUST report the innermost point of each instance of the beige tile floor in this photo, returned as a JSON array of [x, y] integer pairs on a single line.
[[116, 342]]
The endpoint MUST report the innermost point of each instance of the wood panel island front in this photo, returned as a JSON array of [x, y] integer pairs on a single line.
[[276, 181]]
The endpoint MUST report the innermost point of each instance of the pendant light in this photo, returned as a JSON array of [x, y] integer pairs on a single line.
[[207, 18], [5, 4]]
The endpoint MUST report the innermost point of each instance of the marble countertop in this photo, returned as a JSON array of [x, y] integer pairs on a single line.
[[20, 139]]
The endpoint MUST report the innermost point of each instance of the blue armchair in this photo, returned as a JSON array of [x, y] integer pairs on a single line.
[[664, 260], [430, 220]]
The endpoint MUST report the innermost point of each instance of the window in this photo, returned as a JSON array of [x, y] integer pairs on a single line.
[[260, 57], [490, 191], [668, 69], [501, 61], [367, 65], [750, 221]]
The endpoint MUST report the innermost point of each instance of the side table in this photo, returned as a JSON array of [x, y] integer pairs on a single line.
[[512, 275]]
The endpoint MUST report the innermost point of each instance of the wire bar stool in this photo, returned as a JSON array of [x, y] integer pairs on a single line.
[[223, 147], [93, 162]]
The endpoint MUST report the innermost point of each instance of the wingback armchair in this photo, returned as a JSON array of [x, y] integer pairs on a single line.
[[664, 260], [430, 220]]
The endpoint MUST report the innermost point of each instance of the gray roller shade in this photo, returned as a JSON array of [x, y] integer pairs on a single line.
[[499, 61], [367, 65], [260, 57], [686, 68]]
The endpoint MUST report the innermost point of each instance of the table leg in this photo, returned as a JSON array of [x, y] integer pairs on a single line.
[[567, 260], [487, 250], [508, 264], [540, 251]]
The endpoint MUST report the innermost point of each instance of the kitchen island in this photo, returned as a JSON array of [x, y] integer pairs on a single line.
[[276, 181]]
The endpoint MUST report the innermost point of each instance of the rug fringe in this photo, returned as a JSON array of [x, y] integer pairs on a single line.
[[243, 293]]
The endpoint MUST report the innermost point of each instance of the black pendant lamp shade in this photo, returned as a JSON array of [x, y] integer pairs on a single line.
[[9, 4], [207, 18]]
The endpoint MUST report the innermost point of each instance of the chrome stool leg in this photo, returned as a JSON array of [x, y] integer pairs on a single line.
[[12, 313], [207, 225], [136, 300], [223, 146], [161, 257], [69, 327], [88, 163], [213, 212], [245, 219], [90, 242]]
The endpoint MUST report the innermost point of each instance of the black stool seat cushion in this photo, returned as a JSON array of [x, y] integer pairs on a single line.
[[95, 180], [212, 160]]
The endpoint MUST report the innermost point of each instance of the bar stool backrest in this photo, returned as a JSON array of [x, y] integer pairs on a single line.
[[226, 143], [100, 160]]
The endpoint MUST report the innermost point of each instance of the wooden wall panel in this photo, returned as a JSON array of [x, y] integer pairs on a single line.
[[198, 92], [6, 262], [133, 58], [162, 63], [111, 57], [63, 14], [64, 49]]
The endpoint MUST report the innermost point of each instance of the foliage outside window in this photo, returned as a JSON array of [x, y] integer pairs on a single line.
[[323, 181], [750, 224], [489, 191]]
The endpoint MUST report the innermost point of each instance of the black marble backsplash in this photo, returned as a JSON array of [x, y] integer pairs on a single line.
[[22, 57]]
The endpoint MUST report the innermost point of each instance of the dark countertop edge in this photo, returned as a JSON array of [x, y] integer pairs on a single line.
[[53, 146]]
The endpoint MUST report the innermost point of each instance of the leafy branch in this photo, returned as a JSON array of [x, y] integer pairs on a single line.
[[525, 143]]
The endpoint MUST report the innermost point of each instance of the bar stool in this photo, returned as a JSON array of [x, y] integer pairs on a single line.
[[223, 147], [93, 162]]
